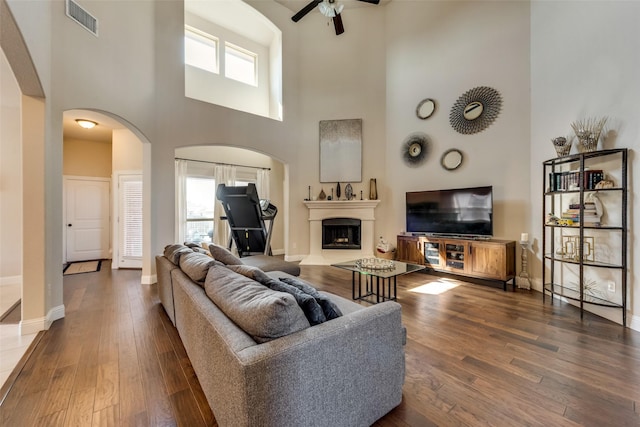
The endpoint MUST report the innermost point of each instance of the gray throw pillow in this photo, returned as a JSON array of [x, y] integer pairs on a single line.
[[223, 255], [307, 303], [259, 311], [196, 265], [329, 308]]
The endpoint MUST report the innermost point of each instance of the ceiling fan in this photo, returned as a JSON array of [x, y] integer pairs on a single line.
[[330, 9]]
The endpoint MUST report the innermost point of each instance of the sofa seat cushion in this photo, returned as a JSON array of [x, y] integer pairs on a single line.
[[262, 313]]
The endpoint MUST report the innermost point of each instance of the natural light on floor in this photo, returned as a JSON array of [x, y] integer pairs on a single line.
[[435, 288]]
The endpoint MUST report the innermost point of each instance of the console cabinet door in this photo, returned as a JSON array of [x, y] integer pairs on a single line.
[[432, 250], [455, 256], [409, 250], [495, 261]]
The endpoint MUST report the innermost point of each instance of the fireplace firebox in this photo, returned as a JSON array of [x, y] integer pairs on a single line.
[[341, 233]]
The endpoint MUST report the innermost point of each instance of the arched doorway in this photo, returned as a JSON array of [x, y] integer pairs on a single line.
[[125, 165]]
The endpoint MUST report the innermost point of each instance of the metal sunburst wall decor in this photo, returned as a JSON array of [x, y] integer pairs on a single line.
[[415, 148], [475, 110]]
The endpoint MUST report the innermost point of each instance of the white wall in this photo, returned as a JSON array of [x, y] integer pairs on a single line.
[[10, 177], [440, 50], [126, 152], [585, 58], [341, 77]]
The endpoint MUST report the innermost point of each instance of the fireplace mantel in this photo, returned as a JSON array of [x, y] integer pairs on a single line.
[[319, 210]]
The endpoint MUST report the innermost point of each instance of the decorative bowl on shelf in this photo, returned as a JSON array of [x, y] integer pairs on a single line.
[[562, 145]]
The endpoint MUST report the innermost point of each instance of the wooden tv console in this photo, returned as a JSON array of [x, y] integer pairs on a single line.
[[488, 259]]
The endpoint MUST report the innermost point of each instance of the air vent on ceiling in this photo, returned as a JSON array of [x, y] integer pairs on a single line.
[[82, 17]]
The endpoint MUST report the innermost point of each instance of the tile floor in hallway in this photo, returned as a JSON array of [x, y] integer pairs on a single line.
[[12, 344]]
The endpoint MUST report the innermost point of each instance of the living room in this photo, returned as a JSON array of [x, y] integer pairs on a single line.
[[425, 54], [552, 62]]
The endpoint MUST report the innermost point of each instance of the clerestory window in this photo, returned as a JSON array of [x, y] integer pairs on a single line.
[[240, 64], [200, 50]]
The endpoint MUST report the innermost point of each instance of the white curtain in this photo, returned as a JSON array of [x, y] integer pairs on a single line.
[[262, 183], [223, 174], [181, 200]]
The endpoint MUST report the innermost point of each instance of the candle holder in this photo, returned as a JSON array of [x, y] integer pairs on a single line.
[[523, 281]]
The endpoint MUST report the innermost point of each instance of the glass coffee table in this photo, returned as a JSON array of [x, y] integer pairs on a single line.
[[376, 272]]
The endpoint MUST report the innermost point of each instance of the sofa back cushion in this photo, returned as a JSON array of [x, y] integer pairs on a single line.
[[174, 252], [259, 311], [196, 265]]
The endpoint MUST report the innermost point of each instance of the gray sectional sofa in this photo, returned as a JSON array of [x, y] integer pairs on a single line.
[[259, 360]]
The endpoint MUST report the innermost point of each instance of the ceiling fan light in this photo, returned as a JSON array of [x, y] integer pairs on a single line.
[[87, 124], [330, 9]]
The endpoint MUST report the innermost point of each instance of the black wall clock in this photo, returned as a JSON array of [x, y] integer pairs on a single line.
[[475, 110]]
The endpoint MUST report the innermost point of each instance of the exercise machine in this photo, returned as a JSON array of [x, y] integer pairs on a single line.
[[246, 215]]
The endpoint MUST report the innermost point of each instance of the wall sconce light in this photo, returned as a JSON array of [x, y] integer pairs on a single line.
[[87, 124]]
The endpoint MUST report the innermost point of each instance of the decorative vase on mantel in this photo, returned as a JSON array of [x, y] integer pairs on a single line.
[[373, 189], [348, 192], [338, 192]]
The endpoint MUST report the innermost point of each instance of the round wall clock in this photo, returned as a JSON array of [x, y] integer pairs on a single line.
[[475, 110], [415, 148]]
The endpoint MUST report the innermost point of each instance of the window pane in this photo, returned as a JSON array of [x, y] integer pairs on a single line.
[[199, 231], [240, 65], [201, 193], [201, 197], [200, 51], [131, 218]]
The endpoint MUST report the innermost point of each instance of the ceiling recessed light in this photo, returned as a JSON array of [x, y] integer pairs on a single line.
[[87, 124]]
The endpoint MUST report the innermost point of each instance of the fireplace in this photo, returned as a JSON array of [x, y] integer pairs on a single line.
[[341, 233], [320, 210]]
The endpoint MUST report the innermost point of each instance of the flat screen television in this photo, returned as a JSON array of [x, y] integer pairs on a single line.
[[464, 212]]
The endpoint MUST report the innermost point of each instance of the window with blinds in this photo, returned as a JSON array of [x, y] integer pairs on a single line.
[[131, 217]]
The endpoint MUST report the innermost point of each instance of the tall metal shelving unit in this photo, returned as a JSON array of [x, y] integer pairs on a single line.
[[568, 178]]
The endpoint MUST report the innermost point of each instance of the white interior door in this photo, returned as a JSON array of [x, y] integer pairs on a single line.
[[87, 219], [130, 221]]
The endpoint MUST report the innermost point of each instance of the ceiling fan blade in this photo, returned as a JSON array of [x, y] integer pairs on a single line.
[[371, 1], [308, 8], [337, 22]]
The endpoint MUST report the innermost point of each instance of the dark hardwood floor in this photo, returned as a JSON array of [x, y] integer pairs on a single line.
[[475, 356]]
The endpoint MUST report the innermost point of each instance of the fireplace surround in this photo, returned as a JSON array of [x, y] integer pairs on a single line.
[[362, 210]]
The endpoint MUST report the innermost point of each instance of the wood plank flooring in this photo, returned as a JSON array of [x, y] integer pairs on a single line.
[[475, 356]]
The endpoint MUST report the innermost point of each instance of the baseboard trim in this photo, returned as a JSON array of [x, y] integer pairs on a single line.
[[277, 251], [149, 280], [294, 258], [33, 326], [635, 323]]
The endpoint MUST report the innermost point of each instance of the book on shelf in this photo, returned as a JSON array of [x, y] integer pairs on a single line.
[[563, 181]]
